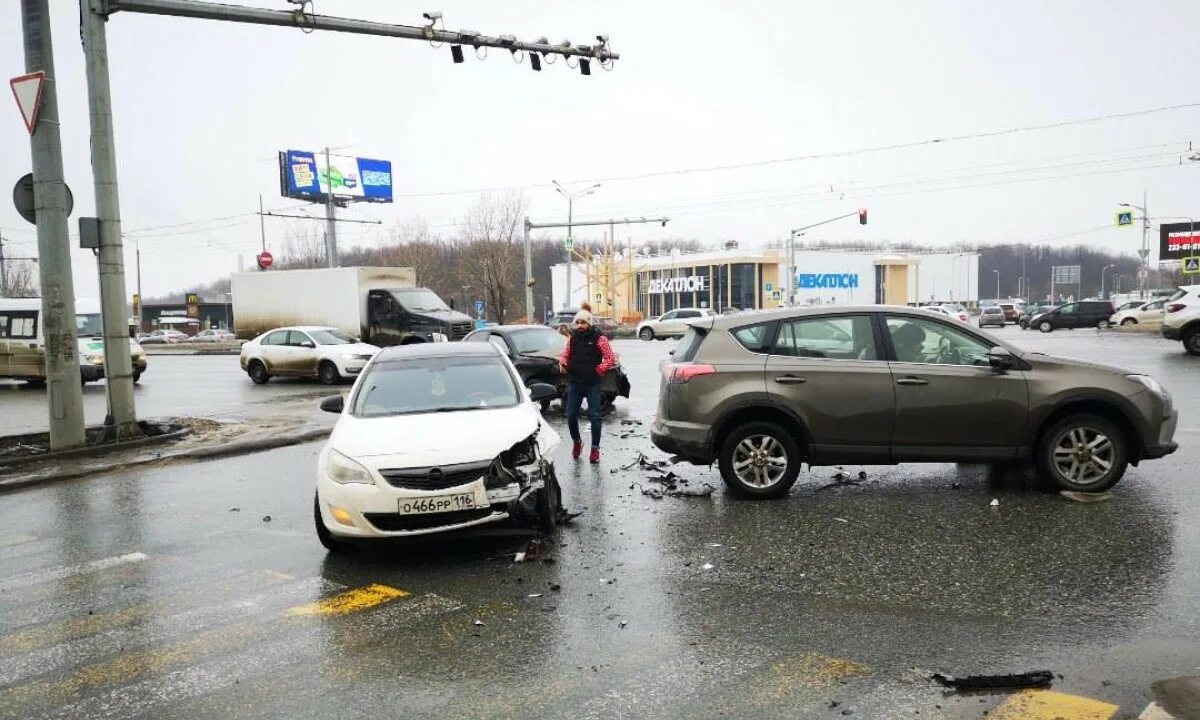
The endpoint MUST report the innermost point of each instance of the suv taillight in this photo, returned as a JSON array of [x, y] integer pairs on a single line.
[[1175, 307], [683, 372]]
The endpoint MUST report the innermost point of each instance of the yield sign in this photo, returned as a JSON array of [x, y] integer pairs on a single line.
[[27, 89]]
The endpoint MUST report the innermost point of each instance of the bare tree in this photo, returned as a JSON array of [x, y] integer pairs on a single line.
[[19, 279], [302, 249], [490, 255]]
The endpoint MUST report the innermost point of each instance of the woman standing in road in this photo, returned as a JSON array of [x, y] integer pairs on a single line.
[[585, 359]]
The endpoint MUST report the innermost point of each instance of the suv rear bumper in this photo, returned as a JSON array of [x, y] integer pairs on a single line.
[[1170, 333], [688, 440]]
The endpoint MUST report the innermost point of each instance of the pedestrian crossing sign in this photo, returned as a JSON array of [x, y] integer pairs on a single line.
[[1124, 218], [1191, 265]]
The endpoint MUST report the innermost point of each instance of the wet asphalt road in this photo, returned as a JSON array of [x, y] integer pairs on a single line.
[[173, 386], [146, 594]]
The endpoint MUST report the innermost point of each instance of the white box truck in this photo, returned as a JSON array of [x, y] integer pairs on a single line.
[[380, 305]]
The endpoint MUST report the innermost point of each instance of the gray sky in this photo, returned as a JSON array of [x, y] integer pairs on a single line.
[[201, 108]]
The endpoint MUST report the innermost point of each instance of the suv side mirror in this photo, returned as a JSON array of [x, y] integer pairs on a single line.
[[1000, 358], [335, 404], [542, 391]]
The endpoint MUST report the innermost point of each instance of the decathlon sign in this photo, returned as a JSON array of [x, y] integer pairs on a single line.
[[691, 283], [839, 281]]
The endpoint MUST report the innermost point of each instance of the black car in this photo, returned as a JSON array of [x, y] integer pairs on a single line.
[[1032, 312], [1082, 314], [535, 349]]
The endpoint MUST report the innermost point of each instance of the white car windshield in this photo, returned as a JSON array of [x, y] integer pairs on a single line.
[[331, 337], [89, 325], [437, 384], [538, 340]]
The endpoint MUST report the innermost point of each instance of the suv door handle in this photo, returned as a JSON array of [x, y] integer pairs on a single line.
[[790, 380], [911, 381]]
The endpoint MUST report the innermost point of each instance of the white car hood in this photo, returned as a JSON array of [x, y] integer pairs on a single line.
[[355, 349], [449, 438]]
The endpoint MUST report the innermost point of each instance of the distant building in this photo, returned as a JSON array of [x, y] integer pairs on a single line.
[[626, 287], [189, 319]]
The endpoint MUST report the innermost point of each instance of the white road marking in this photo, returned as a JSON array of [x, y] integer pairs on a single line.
[[40, 576]]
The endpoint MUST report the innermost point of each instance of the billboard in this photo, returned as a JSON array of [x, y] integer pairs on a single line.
[[1178, 240], [304, 176]]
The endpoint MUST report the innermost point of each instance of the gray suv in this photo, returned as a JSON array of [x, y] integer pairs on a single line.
[[874, 385]]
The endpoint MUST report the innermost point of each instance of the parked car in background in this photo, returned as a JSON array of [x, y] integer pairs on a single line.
[[325, 353], [162, 337], [957, 312], [1082, 314], [1182, 318], [1130, 305], [566, 316], [1012, 314], [992, 316], [907, 386], [534, 351], [731, 310], [435, 437], [606, 326], [1149, 312], [670, 324], [1029, 313], [212, 336]]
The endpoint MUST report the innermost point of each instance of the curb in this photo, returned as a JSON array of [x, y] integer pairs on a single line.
[[93, 450], [243, 447]]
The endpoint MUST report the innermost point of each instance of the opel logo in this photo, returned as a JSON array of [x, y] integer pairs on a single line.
[[435, 473]]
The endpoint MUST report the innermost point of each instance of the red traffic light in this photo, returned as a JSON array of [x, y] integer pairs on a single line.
[[862, 216]]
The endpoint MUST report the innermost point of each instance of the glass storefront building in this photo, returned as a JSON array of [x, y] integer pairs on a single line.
[[711, 285]]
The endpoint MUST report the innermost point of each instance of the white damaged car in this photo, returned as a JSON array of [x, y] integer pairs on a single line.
[[436, 437]]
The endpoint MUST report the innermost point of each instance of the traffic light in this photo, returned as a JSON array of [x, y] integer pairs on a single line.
[[862, 216]]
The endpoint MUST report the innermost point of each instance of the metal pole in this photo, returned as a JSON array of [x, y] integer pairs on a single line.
[[570, 252], [331, 253], [64, 390], [528, 276], [262, 223], [137, 254], [3, 272], [791, 297], [1144, 276], [118, 369]]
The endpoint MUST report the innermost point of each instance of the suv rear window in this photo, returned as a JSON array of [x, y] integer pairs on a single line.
[[689, 344], [753, 337]]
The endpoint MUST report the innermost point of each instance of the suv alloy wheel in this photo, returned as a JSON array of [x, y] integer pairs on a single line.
[[760, 460], [1045, 326], [1086, 453]]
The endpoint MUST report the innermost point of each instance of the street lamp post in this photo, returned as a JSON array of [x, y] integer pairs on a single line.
[[1103, 274], [570, 220], [997, 285], [1145, 251]]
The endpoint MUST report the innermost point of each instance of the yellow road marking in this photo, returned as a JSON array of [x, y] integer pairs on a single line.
[[1050, 705], [350, 601], [810, 670]]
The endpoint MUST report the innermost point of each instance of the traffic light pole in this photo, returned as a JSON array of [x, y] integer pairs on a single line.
[[791, 297], [64, 391], [121, 423], [569, 224]]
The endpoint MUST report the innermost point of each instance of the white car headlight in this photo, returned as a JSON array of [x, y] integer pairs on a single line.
[[1150, 383], [343, 470]]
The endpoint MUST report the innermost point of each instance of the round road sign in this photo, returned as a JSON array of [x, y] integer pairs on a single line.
[[23, 198], [265, 259], [1143, 273]]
